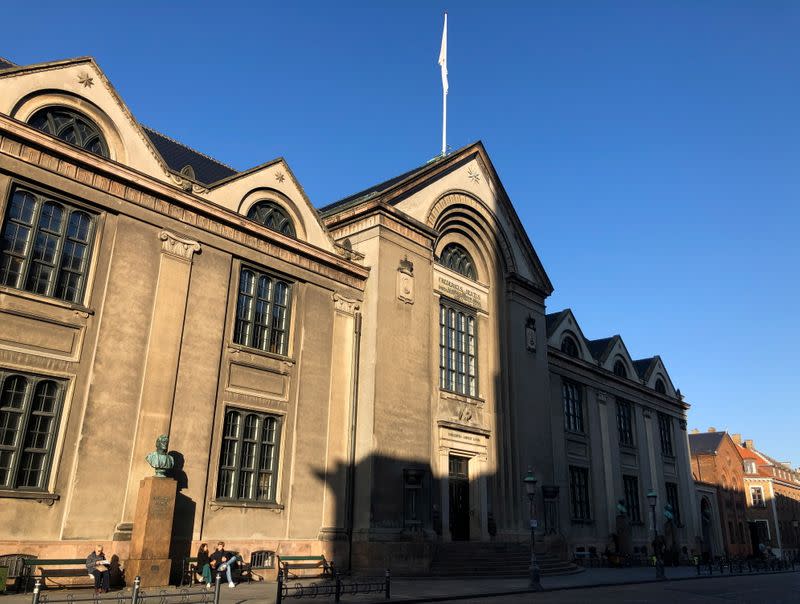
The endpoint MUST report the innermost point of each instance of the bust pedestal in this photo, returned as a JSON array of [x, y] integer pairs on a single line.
[[152, 532]]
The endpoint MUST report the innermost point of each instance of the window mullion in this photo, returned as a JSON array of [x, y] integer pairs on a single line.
[[28, 260], [237, 459], [27, 403], [62, 234]]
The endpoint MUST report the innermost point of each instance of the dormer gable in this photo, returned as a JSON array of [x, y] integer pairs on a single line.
[[563, 330]]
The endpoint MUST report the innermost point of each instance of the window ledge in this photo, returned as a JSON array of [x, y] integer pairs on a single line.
[[231, 503], [464, 398], [576, 434], [627, 447], [581, 521], [668, 457], [39, 496], [238, 348], [21, 293]]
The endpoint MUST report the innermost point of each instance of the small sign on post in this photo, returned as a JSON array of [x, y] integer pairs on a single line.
[[534, 523]]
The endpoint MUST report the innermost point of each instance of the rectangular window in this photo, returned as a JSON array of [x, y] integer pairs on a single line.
[[573, 409], [29, 410], [262, 312], [631, 486], [248, 460], [457, 350], [579, 493], [672, 499], [625, 422], [665, 431], [45, 246], [757, 497]]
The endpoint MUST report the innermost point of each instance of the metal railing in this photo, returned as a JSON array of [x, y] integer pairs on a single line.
[[337, 588], [136, 596], [740, 566]]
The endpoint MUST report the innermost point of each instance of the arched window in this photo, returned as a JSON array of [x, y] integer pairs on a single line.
[[457, 259], [660, 387], [619, 369], [272, 216], [569, 347], [72, 127]]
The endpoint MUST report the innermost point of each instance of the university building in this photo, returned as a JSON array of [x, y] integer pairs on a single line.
[[368, 380]]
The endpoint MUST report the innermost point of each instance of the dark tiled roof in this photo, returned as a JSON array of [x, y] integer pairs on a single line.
[[177, 155], [705, 442], [6, 64], [642, 365], [552, 320], [598, 347]]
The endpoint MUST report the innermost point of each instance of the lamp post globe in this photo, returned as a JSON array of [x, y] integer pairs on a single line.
[[652, 499], [530, 481]]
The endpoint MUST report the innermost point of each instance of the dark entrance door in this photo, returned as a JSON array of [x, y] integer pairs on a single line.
[[459, 498]]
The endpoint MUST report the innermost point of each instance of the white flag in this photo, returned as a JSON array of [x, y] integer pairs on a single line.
[[443, 56]]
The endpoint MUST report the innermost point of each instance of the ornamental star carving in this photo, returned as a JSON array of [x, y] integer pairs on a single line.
[[280, 176], [86, 80], [474, 175]]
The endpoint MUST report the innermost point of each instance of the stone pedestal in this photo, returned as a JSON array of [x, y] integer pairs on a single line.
[[152, 532]]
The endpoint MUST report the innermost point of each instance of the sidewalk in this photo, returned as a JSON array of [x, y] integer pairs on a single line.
[[423, 589]]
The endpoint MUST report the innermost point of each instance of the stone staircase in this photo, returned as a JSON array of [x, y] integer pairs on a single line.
[[489, 559]]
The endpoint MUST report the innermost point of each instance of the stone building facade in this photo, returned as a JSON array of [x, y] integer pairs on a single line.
[[364, 380]]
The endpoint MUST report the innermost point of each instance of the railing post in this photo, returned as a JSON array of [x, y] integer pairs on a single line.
[[697, 565], [279, 594], [137, 583], [37, 586], [337, 595], [388, 585], [216, 587]]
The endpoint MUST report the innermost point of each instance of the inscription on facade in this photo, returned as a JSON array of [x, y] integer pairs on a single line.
[[159, 505], [458, 292], [463, 437]]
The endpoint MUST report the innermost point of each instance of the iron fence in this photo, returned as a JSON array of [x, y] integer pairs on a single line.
[[136, 596], [741, 566], [337, 588]]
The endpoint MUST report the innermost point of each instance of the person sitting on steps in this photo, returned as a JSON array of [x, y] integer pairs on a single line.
[[97, 566], [223, 561]]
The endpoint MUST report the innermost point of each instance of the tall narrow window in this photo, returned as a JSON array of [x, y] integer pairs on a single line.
[[579, 493], [672, 499], [625, 422], [45, 246], [457, 350], [631, 486], [29, 410], [665, 431], [272, 216], [757, 497], [248, 460], [573, 408], [72, 127], [457, 259], [262, 312]]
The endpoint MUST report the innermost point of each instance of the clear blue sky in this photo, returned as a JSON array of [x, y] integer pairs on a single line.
[[651, 148]]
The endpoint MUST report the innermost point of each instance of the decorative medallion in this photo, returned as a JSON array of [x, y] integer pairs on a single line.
[[280, 176], [405, 281], [530, 334], [85, 80], [474, 175]]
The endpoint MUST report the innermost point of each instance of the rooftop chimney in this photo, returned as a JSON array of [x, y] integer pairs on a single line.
[[737, 438], [712, 429], [748, 444]]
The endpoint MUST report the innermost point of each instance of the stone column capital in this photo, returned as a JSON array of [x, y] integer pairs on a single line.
[[173, 245]]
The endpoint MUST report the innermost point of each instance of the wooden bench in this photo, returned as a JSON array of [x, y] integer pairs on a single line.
[[306, 562], [259, 560], [30, 564]]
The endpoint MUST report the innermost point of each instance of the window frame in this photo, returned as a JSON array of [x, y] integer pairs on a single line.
[[665, 433], [631, 420], [447, 306], [50, 451], [583, 500], [274, 207], [762, 503], [671, 488], [75, 116], [252, 327], [633, 497], [622, 372], [69, 207], [236, 467], [573, 407], [573, 345], [471, 270]]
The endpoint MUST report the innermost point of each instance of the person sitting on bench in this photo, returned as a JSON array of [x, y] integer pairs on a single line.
[[97, 566], [223, 561]]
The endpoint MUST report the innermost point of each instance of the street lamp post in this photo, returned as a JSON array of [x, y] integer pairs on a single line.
[[652, 499], [530, 489]]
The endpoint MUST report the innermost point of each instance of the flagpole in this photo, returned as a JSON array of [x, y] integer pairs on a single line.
[[445, 86]]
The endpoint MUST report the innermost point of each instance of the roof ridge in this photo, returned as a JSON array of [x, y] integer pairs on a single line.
[[185, 146]]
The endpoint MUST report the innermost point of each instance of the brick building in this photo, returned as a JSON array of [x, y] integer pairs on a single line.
[[716, 461]]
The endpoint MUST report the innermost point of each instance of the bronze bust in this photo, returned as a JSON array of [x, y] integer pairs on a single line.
[[160, 460]]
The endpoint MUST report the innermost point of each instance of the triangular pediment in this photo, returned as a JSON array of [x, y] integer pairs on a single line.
[[563, 324]]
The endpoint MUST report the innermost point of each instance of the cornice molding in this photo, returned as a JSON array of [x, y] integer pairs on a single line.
[[24, 143]]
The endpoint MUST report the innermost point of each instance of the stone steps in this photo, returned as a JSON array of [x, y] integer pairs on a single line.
[[494, 559]]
